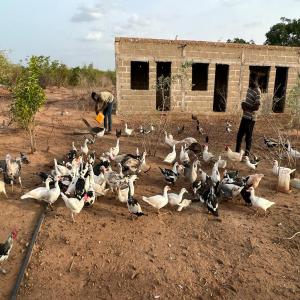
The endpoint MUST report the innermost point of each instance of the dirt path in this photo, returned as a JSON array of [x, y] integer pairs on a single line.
[[186, 255]]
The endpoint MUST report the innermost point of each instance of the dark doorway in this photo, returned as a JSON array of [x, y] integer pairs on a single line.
[[139, 75], [263, 76], [221, 87], [199, 77], [163, 79], [280, 89]]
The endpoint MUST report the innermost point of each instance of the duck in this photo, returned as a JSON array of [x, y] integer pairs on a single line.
[[212, 202], [114, 151], [270, 143], [292, 152], [96, 132], [133, 206], [234, 156], [175, 199], [253, 180], [207, 156], [184, 156], [128, 131], [190, 171], [171, 176], [99, 188], [158, 201], [2, 188], [84, 148], [170, 158], [276, 169], [183, 204], [249, 164], [196, 148], [258, 201], [38, 193], [215, 175], [203, 175], [133, 164], [61, 170], [222, 163], [73, 204], [188, 141], [229, 190], [169, 140]]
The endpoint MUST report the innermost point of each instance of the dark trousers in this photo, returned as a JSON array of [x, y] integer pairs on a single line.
[[246, 128], [107, 116]]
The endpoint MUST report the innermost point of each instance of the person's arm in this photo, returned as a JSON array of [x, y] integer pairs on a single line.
[[257, 100]]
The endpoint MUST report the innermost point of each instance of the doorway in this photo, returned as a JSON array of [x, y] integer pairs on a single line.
[[163, 89], [221, 88], [280, 89]]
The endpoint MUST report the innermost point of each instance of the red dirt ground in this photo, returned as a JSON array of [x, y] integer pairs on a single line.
[[186, 255]]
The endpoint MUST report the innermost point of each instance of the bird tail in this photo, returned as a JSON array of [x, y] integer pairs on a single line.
[[145, 199], [86, 123]]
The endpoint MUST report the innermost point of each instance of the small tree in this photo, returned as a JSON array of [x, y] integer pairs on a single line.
[[28, 98]]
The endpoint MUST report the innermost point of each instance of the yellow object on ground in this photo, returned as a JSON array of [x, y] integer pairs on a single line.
[[100, 117]]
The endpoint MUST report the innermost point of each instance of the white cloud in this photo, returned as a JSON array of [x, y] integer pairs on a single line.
[[93, 36], [87, 14]]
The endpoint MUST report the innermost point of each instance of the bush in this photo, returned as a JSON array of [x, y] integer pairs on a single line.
[[28, 98]]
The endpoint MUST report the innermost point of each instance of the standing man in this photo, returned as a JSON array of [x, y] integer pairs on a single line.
[[249, 106], [104, 102]]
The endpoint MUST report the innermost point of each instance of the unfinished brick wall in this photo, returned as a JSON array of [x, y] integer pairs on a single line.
[[183, 98]]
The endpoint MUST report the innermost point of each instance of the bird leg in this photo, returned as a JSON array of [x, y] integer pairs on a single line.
[[12, 185], [20, 181], [73, 217]]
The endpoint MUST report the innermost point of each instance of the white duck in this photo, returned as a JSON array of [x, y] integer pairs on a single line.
[[73, 204], [73, 147], [191, 172], [170, 158], [184, 156], [38, 193], [115, 150], [222, 163], [215, 174], [276, 169], [175, 199], [98, 188], [61, 170], [234, 156], [184, 203], [258, 201], [85, 148], [128, 131], [207, 156], [169, 140], [292, 152], [188, 141], [158, 201], [123, 193], [202, 175], [249, 164]]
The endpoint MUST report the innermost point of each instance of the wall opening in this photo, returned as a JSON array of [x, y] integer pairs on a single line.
[[199, 77], [221, 88], [263, 76], [163, 91], [139, 75], [280, 89]]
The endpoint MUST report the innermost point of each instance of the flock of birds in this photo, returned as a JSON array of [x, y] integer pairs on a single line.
[[83, 176]]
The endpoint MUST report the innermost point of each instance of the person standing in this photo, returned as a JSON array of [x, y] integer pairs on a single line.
[[104, 103], [250, 106]]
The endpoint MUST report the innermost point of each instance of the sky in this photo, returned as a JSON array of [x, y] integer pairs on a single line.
[[81, 32]]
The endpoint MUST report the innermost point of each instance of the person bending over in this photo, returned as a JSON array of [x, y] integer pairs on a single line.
[[250, 106], [104, 103]]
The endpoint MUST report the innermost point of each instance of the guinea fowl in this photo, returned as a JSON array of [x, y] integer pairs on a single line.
[[158, 201], [73, 204], [5, 248], [96, 132], [171, 175]]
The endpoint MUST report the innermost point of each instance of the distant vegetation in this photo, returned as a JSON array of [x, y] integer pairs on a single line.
[[55, 73], [240, 41]]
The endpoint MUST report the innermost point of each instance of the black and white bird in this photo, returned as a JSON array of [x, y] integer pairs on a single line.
[[228, 127], [133, 206], [270, 143], [96, 132], [5, 248], [171, 175], [180, 129]]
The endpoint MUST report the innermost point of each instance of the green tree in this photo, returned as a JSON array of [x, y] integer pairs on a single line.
[[28, 98], [284, 33], [240, 41]]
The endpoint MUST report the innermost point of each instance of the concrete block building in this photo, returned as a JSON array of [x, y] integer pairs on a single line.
[[207, 77]]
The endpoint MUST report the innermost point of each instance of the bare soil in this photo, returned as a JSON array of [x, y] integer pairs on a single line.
[[184, 255]]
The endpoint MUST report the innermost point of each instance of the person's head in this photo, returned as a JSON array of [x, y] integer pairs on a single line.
[[94, 96], [253, 82]]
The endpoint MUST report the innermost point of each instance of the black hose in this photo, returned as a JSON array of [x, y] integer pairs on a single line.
[[27, 256]]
